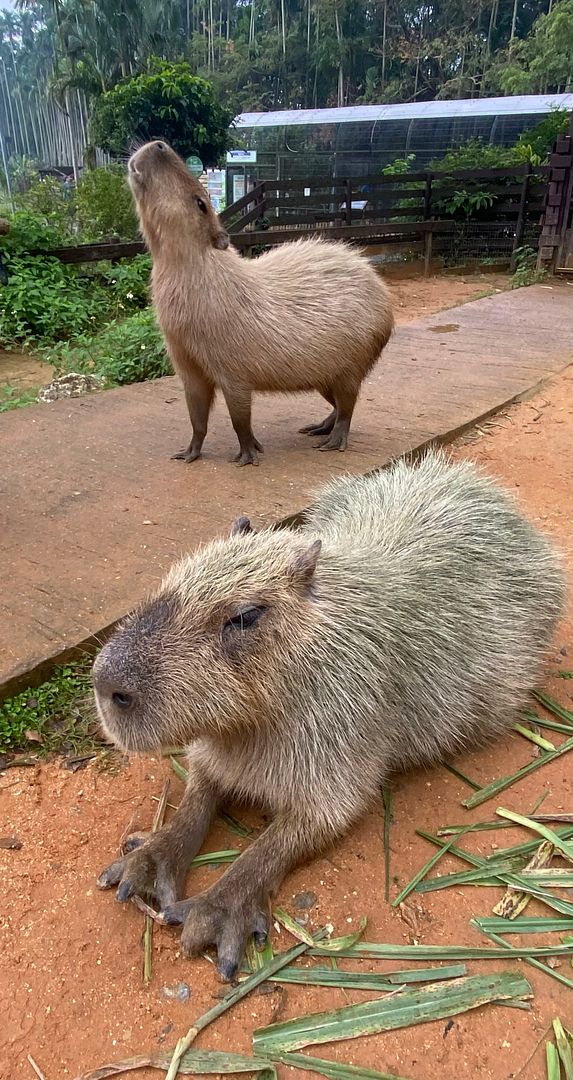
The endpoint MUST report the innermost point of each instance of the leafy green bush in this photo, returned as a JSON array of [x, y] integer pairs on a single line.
[[525, 264], [46, 199], [104, 206], [466, 203], [168, 102], [46, 301], [125, 352], [475, 154]]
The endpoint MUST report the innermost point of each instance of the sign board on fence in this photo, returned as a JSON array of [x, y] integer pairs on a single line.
[[238, 187], [241, 157]]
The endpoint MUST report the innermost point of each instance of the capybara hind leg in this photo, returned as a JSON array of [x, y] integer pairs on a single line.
[[156, 867], [327, 425], [239, 406], [199, 394], [338, 437]]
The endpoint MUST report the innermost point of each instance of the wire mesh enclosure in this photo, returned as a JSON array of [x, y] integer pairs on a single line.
[[363, 140]]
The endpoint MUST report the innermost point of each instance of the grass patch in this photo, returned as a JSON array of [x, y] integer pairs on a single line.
[[13, 398], [55, 717]]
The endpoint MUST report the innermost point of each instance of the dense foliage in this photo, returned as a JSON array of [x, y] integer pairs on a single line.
[[59, 56], [46, 301], [168, 102]]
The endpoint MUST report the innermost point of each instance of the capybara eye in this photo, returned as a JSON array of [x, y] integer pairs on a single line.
[[245, 619], [202, 205], [123, 701]]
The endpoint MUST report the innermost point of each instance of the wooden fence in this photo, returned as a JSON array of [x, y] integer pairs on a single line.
[[418, 209], [390, 208]]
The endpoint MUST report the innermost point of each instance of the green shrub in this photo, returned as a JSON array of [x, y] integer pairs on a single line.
[[475, 154], [46, 199], [104, 206], [46, 301], [525, 268], [11, 397], [125, 352]]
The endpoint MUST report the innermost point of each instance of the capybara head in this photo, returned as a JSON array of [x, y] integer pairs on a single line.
[[171, 203], [208, 654]]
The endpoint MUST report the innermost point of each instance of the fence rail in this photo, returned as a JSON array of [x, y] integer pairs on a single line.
[[382, 209]]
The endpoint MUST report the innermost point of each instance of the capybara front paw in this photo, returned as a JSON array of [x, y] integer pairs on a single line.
[[214, 918], [144, 870]]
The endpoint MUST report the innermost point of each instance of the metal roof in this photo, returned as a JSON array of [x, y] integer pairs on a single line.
[[524, 104]]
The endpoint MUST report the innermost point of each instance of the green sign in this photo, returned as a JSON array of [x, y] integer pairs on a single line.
[[195, 165]]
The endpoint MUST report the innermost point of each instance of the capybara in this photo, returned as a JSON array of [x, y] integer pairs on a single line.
[[405, 622], [309, 315]]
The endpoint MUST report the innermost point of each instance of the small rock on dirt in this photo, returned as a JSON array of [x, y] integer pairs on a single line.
[[10, 843], [70, 386], [304, 900]]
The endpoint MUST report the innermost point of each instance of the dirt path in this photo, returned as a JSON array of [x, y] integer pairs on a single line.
[[71, 991]]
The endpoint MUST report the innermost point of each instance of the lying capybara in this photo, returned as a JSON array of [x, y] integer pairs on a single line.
[[406, 621], [309, 315]]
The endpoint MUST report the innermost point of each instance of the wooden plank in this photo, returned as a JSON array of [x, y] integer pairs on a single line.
[[242, 203], [84, 253]]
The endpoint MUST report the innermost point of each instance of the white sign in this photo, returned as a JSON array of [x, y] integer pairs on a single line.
[[238, 187], [216, 188], [241, 157]]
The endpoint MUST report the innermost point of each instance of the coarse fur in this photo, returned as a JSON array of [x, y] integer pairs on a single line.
[[405, 622], [309, 315]]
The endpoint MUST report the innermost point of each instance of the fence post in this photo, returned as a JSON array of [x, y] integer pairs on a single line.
[[349, 202], [428, 197], [558, 199], [428, 238], [521, 214]]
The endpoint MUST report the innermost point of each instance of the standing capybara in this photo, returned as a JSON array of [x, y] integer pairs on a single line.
[[306, 316], [404, 623]]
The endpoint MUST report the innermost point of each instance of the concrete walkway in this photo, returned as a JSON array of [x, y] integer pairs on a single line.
[[92, 510]]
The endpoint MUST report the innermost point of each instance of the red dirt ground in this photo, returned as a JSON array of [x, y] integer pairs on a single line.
[[71, 989]]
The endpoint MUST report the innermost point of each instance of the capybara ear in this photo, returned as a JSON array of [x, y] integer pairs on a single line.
[[241, 527], [304, 564]]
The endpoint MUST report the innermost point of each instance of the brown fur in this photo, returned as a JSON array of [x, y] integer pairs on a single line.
[[311, 315], [405, 622]]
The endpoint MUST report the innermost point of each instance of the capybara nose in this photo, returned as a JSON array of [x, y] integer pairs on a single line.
[[111, 690]]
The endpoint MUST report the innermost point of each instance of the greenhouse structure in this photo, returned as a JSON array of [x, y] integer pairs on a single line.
[[363, 139]]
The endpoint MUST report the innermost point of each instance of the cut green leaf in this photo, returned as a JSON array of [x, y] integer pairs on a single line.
[[503, 782], [369, 950], [526, 924], [334, 1070], [563, 1049], [553, 706], [552, 1061], [364, 980], [433, 1002], [533, 737], [425, 870], [561, 845], [530, 956], [387, 800], [194, 1063]]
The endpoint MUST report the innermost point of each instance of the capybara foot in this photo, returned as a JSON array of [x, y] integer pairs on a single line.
[[186, 455], [215, 917], [145, 869], [338, 440], [249, 454], [320, 429]]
